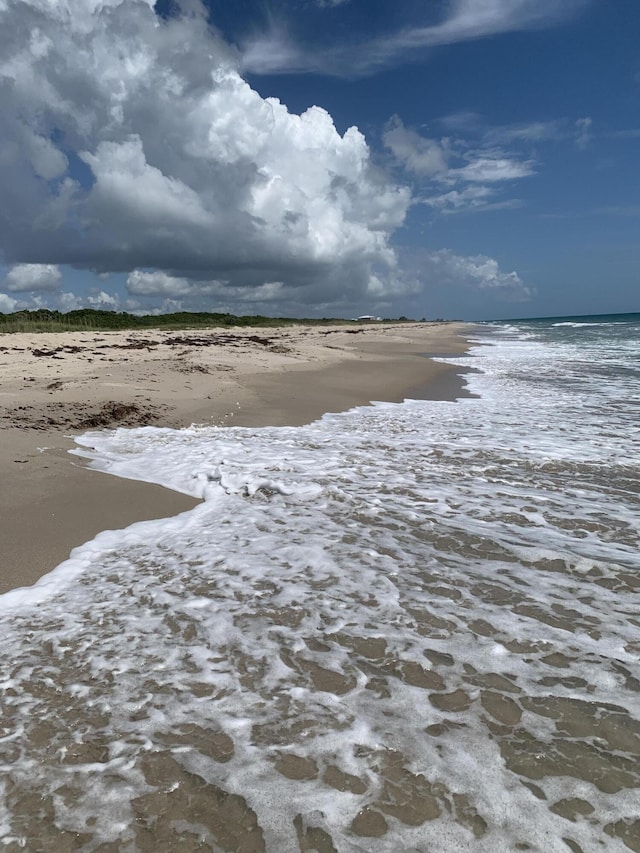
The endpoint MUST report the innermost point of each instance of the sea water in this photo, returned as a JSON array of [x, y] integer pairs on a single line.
[[408, 627]]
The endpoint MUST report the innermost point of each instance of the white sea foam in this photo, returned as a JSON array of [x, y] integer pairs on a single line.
[[578, 325], [405, 627]]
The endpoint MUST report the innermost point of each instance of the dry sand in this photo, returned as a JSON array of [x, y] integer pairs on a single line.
[[55, 386]]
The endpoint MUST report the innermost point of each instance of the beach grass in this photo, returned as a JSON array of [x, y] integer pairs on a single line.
[[86, 319]]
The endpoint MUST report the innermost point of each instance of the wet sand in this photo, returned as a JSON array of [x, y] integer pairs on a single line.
[[440, 655], [55, 386]]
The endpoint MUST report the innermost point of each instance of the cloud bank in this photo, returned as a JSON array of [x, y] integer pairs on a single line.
[[123, 151]]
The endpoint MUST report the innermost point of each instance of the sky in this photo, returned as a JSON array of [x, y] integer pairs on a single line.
[[464, 159]]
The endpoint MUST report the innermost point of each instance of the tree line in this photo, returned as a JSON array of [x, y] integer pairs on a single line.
[[93, 319]]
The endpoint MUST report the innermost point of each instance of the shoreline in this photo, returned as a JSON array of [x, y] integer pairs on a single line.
[[56, 386]]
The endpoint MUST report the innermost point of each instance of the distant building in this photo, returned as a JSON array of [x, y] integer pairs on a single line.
[[368, 318]]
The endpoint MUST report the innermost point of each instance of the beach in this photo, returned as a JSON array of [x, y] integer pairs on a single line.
[[57, 386], [393, 627]]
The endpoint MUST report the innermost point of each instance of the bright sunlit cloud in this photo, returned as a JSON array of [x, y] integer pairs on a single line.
[[123, 151], [30, 277]]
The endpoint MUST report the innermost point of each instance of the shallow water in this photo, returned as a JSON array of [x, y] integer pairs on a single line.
[[406, 627]]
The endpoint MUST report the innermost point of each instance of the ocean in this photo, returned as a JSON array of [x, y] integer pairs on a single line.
[[406, 627]]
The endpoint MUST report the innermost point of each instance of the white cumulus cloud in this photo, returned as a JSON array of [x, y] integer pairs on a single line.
[[477, 272], [68, 301], [123, 151], [104, 301], [7, 303], [22, 278], [159, 283]]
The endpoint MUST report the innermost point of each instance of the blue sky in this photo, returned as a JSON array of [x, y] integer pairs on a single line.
[[471, 159]]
